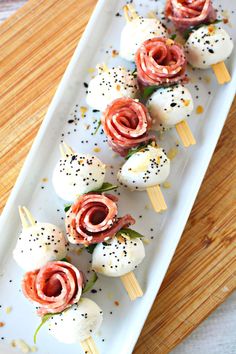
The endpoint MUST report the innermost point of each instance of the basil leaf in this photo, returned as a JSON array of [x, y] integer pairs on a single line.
[[130, 233], [173, 36], [64, 260], [187, 32], [67, 207], [134, 72], [98, 126], [105, 188], [90, 283], [148, 91], [134, 150], [91, 248], [45, 318]]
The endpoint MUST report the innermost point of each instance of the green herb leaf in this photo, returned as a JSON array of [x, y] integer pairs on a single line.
[[187, 32], [67, 207], [91, 248], [90, 283], [148, 91], [134, 72], [64, 260], [45, 318], [130, 233], [173, 36], [105, 188], [98, 126], [136, 149]]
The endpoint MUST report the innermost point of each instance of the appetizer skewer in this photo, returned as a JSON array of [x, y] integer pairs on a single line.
[[110, 84], [136, 31], [126, 123], [92, 219], [161, 61], [38, 243], [207, 46], [171, 106], [146, 170], [57, 288], [76, 174]]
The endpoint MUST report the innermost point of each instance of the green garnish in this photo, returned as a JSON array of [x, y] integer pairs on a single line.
[[105, 188], [45, 318], [98, 126], [134, 150], [173, 36], [67, 207], [148, 91], [64, 260], [91, 248], [187, 32], [90, 283], [129, 232]]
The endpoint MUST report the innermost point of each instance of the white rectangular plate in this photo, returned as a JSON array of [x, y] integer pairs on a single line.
[[122, 324]]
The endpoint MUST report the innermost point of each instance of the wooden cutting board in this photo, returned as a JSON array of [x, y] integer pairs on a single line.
[[36, 45]]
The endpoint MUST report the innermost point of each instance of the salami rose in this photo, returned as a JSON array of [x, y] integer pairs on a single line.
[[126, 122], [53, 287], [187, 13], [160, 61], [93, 219]]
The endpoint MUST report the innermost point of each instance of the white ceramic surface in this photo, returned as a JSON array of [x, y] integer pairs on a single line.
[[122, 324]]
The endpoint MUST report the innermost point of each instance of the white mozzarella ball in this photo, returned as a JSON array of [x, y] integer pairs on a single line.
[[146, 168], [119, 257], [169, 106], [79, 322], [77, 174], [38, 245], [109, 85], [136, 32], [208, 45]]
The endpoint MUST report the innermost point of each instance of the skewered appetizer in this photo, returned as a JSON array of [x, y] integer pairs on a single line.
[[185, 14], [171, 106], [136, 31], [38, 243], [76, 174], [146, 169], [56, 289], [208, 47], [92, 219], [109, 85], [77, 324], [126, 123]]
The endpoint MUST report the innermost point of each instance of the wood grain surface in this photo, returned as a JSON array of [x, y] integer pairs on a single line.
[[36, 45]]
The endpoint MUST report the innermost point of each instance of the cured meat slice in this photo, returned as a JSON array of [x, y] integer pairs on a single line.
[[160, 61], [93, 219], [126, 122], [53, 287], [188, 13]]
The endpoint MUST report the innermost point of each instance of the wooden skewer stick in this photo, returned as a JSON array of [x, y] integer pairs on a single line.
[[185, 133], [157, 198], [130, 13], [132, 286], [221, 73], [89, 346], [65, 150], [26, 217]]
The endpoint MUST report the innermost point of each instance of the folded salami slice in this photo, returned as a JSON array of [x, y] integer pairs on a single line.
[[54, 287], [93, 219], [160, 61], [188, 13], [126, 122]]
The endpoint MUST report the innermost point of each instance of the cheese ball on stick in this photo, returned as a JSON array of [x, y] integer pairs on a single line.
[[209, 46], [38, 243], [171, 106], [136, 31], [146, 170], [110, 84], [76, 174]]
